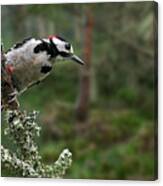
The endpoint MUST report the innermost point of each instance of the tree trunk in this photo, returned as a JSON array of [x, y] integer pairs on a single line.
[[19, 15], [84, 97], [41, 26]]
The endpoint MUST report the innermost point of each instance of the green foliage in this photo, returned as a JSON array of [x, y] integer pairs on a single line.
[[128, 96], [110, 144]]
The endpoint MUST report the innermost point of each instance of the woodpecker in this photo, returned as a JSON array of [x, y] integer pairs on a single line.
[[31, 61]]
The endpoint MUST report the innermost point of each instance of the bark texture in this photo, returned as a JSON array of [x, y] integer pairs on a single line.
[[84, 97]]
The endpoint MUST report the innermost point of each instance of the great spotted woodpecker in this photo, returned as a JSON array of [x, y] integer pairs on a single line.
[[30, 61]]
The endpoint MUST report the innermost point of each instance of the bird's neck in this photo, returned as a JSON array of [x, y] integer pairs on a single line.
[[49, 47]]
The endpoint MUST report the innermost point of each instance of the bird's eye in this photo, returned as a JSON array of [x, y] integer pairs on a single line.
[[68, 46]]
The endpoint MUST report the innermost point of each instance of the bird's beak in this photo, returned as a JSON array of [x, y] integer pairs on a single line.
[[77, 59]]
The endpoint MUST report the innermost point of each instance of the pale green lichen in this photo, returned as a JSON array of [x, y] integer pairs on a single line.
[[26, 161]]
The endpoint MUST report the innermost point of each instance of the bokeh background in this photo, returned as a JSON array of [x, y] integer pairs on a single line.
[[104, 112]]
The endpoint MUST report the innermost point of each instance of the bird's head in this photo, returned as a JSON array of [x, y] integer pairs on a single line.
[[64, 49]]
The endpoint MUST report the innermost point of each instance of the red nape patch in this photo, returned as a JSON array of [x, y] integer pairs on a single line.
[[9, 69], [52, 36]]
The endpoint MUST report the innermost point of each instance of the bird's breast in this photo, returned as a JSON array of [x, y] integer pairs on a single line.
[[28, 71]]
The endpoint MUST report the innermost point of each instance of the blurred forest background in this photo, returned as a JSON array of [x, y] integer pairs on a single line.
[[104, 112]]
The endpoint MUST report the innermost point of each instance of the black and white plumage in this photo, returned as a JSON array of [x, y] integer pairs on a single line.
[[30, 61]]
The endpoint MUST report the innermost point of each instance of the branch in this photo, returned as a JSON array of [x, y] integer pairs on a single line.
[[23, 129]]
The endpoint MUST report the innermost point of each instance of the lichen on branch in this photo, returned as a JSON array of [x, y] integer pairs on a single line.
[[25, 161]]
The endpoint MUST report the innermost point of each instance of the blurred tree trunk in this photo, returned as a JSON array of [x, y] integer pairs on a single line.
[[20, 13], [51, 27], [41, 26], [84, 97]]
